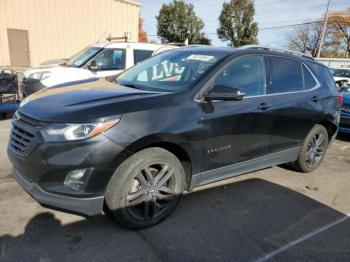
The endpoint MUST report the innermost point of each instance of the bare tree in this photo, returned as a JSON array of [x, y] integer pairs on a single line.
[[306, 38], [339, 29]]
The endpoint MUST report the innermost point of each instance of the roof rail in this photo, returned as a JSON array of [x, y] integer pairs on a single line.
[[118, 38], [175, 44], [277, 49]]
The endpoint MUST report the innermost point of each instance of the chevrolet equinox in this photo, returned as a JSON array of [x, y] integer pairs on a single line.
[[184, 118]]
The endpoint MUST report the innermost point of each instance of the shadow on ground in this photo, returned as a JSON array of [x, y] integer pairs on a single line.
[[244, 221], [343, 137], [6, 116]]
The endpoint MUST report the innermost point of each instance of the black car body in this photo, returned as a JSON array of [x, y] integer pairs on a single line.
[[344, 125], [211, 127]]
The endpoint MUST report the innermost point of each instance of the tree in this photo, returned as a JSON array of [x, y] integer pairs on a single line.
[[306, 38], [177, 21], [142, 34], [339, 27], [236, 23]]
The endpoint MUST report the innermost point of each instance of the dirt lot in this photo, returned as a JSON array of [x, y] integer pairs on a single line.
[[271, 215]]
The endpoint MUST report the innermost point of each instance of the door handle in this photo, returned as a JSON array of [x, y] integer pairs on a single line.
[[315, 99], [264, 106]]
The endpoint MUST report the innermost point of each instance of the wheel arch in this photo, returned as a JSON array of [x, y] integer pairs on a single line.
[[171, 143], [330, 127]]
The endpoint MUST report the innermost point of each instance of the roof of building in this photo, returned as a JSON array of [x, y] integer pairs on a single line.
[[131, 2]]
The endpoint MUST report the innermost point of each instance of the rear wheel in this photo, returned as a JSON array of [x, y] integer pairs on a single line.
[[145, 189], [313, 149]]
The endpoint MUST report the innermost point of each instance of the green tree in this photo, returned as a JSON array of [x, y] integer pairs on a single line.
[[236, 23], [177, 21]]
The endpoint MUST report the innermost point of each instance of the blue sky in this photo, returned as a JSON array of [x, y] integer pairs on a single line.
[[269, 13]]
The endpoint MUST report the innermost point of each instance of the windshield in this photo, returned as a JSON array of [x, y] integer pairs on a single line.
[[341, 72], [171, 71], [83, 56]]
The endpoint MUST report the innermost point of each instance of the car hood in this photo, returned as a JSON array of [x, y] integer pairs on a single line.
[[85, 102], [58, 75], [30, 72]]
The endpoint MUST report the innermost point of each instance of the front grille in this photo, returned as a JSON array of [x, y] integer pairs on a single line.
[[23, 134], [21, 140]]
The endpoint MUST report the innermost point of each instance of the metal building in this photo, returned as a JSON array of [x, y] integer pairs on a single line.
[[32, 31]]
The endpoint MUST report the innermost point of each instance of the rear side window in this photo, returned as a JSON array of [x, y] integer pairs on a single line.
[[286, 75], [140, 55], [322, 73], [309, 80]]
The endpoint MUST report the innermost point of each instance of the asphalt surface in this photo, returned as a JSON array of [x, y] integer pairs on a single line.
[[272, 215]]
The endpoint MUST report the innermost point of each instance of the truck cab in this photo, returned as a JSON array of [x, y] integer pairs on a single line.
[[95, 61]]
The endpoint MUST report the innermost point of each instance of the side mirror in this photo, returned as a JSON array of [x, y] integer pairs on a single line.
[[93, 66], [224, 93]]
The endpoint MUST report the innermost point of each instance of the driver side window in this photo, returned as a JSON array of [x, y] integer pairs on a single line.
[[246, 73], [111, 59]]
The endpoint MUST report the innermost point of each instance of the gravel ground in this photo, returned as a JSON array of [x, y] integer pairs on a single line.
[[272, 215]]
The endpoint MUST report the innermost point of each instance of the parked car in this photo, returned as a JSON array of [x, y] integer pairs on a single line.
[[181, 119], [342, 78], [344, 126], [94, 61]]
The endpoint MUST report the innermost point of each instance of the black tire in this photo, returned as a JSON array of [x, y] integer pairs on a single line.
[[145, 188], [313, 150], [2, 115]]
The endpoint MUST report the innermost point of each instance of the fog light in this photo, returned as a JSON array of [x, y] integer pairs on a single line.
[[77, 179]]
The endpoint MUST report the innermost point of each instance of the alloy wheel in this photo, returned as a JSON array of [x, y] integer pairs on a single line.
[[316, 149], [151, 191]]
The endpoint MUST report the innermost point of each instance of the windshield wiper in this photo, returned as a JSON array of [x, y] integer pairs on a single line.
[[130, 85]]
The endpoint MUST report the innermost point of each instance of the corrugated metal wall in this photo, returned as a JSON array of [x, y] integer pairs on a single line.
[[60, 28]]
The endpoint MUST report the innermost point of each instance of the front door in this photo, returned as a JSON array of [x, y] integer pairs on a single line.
[[110, 62], [237, 131], [18, 47]]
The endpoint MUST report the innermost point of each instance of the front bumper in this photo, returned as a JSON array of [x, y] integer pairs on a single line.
[[88, 206], [41, 168]]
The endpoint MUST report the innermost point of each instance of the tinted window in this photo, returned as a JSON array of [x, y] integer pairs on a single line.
[[309, 81], [246, 73], [322, 73], [286, 75], [140, 55], [111, 59], [171, 71], [328, 77]]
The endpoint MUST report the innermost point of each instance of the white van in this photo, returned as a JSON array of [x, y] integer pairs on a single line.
[[95, 61]]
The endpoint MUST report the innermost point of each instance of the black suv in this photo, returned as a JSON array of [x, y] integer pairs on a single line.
[[179, 120]]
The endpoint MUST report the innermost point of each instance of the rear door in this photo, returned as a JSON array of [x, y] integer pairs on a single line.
[[237, 131], [295, 96]]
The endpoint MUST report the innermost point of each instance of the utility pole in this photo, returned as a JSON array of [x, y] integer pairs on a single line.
[[323, 30]]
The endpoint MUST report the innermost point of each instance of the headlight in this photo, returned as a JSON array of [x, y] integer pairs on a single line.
[[40, 75], [71, 132]]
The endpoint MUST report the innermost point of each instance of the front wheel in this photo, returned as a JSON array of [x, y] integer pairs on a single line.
[[145, 189], [313, 149]]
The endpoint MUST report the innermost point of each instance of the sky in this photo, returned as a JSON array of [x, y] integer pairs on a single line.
[[268, 14]]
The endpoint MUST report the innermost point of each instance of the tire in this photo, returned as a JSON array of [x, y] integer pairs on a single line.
[[145, 188], [313, 150]]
